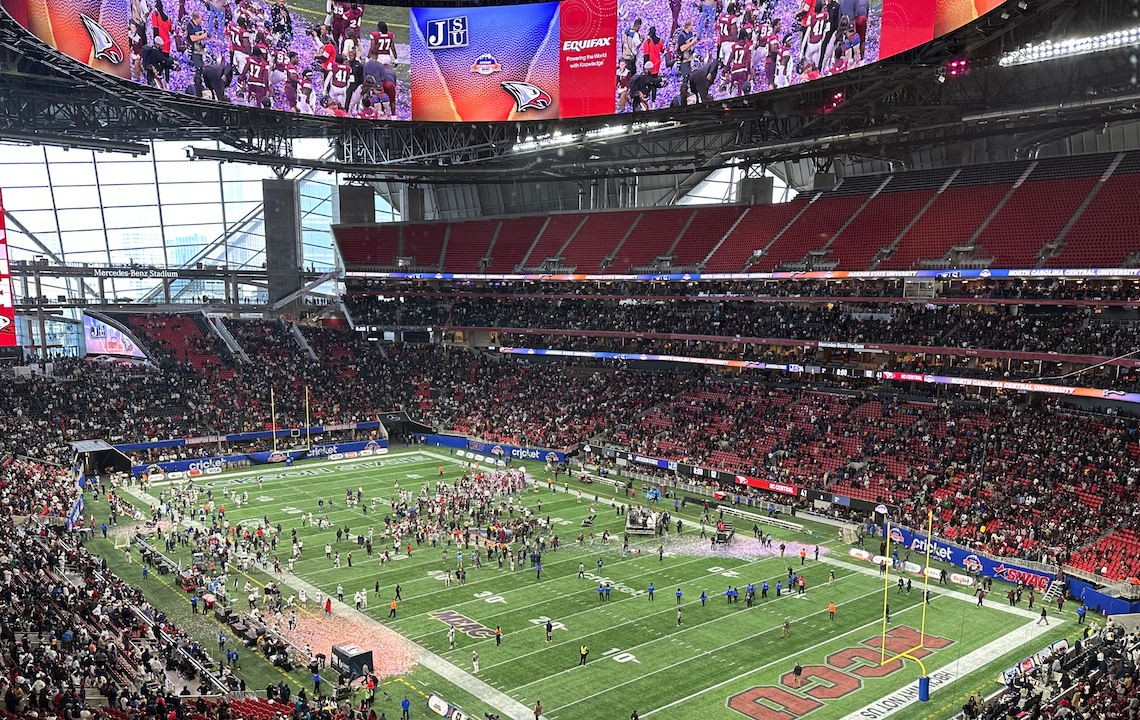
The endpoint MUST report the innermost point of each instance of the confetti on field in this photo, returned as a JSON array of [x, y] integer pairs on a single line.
[[392, 653]]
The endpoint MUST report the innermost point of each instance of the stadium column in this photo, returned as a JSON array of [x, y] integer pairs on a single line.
[[283, 254], [357, 204]]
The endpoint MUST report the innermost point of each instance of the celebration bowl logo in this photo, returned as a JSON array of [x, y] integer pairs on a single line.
[[553, 457], [972, 563], [896, 535], [497, 450], [276, 457], [486, 64]]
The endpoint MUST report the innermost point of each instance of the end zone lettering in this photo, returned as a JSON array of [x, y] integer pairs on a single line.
[[842, 673], [463, 624]]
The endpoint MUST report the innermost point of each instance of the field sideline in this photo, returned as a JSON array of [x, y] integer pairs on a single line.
[[723, 660]]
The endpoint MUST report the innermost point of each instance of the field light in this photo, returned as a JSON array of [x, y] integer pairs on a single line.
[[559, 138], [1050, 50]]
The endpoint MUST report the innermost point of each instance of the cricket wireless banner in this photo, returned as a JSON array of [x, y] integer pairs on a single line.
[[970, 561], [177, 469]]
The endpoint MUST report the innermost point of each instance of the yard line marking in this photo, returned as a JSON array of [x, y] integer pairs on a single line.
[[706, 652]]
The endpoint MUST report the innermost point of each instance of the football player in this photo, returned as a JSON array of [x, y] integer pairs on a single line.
[[728, 27], [382, 44], [257, 78], [816, 32], [337, 80], [740, 64]]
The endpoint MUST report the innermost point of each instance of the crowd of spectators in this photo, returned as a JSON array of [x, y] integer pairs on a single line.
[[1011, 328], [1094, 679], [71, 629], [1047, 289], [1013, 479]]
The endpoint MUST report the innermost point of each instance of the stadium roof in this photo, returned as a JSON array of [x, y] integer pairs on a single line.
[[895, 113]]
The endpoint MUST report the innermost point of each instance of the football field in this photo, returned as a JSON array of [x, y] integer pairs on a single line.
[[667, 657]]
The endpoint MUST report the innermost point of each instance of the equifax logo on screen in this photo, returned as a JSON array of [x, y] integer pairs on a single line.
[[576, 45]]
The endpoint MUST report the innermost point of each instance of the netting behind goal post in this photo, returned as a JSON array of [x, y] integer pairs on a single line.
[[850, 534]]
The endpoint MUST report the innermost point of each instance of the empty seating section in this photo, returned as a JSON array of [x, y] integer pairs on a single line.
[[1106, 232], [652, 236], [875, 228], [754, 232], [1033, 216], [705, 231], [811, 231], [515, 238], [951, 220], [557, 232], [1001, 174], [1115, 556], [1016, 237], [182, 336], [597, 239], [369, 245], [424, 243], [467, 245]]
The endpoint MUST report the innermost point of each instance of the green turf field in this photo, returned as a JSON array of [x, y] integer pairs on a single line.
[[724, 660]]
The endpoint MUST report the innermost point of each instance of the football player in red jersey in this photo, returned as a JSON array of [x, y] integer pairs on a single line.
[[784, 65], [740, 64], [817, 30], [292, 79], [727, 27], [338, 23], [337, 80], [278, 62], [305, 93], [352, 18], [382, 44], [807, 7], [241, 41], [257, 78]]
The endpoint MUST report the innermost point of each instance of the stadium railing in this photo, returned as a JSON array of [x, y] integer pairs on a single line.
[[1121, 589]]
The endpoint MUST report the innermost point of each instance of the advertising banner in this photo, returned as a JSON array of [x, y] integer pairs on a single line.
[[7, 306], [971, 561], [587, 58], [517, 453], [213, 465], [1060, 273], [781, 488]]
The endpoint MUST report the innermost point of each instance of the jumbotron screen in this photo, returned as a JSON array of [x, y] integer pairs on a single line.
[[566, 59]]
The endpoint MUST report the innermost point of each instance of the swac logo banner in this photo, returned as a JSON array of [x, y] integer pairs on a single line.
[[970, 561]]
